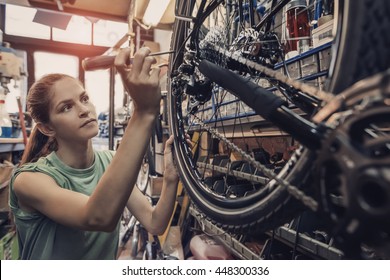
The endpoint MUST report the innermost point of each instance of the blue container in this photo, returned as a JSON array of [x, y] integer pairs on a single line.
[[6, 132]]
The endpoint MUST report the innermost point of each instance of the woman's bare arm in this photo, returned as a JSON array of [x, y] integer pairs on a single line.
[[155, 219]]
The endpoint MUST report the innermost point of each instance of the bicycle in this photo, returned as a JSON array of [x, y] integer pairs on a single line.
[[227, 52]]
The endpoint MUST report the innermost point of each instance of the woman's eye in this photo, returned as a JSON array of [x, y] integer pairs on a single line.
[[85, 98], [66, 108]]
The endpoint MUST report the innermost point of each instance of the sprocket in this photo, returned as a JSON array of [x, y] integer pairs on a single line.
[[353, 165]]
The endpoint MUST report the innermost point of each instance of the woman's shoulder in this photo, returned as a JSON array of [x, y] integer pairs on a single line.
[[43, 162], [42, 166], [32, 172]]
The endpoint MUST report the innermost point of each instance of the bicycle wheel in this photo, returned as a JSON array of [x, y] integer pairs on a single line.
[[242, 173]]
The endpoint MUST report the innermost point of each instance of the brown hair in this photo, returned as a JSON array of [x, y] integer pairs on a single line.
[[38, 105]]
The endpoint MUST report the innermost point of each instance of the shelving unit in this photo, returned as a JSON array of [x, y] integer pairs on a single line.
[[303, 243], [306, 245]]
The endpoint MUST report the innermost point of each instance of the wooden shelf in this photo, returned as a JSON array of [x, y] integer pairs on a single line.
[[11, 145], [11, 140]]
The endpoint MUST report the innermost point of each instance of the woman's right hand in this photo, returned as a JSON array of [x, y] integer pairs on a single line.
[[140, 79]]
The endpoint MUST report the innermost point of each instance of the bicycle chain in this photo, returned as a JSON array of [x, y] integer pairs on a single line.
[[297, 85], [294, 191]]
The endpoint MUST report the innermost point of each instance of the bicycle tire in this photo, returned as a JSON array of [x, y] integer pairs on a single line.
[[359, 50]]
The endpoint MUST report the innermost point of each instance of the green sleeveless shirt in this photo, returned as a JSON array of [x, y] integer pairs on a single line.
[[41, 238]]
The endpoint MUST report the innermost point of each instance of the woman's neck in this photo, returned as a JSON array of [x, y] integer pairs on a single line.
[[79, 157]]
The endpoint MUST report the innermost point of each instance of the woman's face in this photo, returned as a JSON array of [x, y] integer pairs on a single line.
[[72, 115]]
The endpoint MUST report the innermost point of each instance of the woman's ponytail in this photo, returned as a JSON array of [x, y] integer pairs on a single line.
[[39, 145], [38, 102]]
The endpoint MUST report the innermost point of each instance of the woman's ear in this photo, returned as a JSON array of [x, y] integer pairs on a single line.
[[45, 129]]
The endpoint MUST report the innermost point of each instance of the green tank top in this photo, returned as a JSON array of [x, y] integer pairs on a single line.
[[41, 238]]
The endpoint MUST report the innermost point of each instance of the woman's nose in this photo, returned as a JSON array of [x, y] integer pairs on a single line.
[[84, 110]]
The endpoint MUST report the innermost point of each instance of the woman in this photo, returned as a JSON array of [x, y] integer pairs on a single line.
[[67, 199]]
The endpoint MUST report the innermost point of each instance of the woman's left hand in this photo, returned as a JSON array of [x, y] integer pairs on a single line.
[[170, 172], [141, 79]]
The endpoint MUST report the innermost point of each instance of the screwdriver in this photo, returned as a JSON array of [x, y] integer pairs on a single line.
[[107, 61]]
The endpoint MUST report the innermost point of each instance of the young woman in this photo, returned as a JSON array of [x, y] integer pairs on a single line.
[[66, 198]]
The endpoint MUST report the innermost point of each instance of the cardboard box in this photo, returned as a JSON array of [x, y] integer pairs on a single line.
[[322, 34], [309, 66], [325, 57]]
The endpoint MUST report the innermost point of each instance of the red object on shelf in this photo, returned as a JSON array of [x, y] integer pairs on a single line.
[[298, 26]]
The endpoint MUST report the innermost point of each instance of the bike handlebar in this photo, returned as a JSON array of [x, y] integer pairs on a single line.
[[98, 62]]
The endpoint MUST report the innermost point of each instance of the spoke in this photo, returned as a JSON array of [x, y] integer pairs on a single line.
[[239, 174], [294, 191]]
